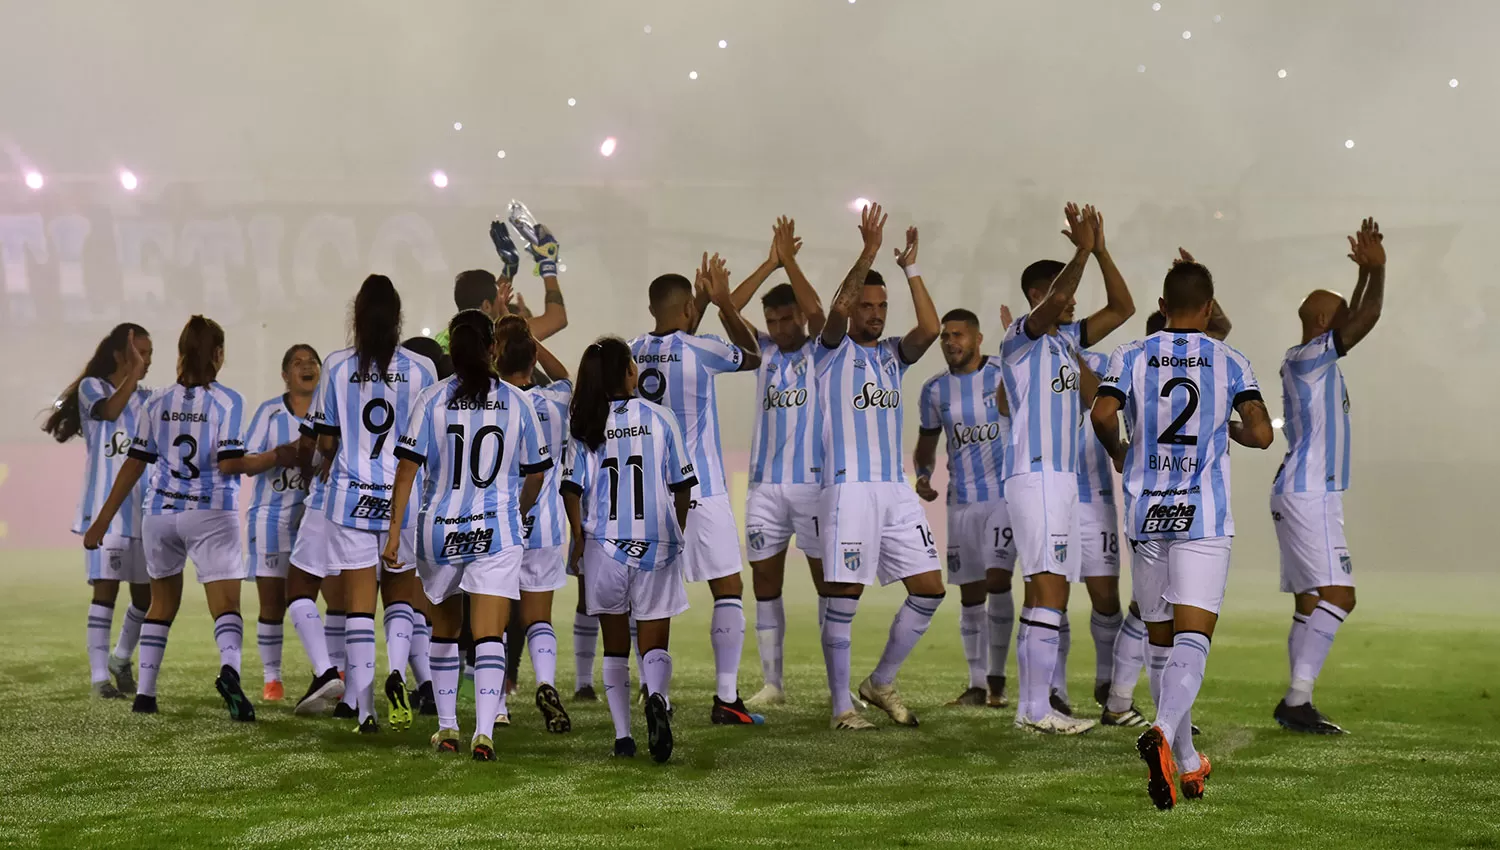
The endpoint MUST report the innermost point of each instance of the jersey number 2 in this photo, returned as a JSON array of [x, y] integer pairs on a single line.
[[1173, 434]]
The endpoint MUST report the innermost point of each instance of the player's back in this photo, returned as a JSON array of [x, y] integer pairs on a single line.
[[966, 410], [787, 446], [107, 443], [860, 390], [184, 433], [1315, 406], [546, 525], [677, 370]]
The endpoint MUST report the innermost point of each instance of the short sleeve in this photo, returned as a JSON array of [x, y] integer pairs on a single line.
[[1017, 342], [92, 391], [716, 355], [143, 444], [1242, 383], [929, 422], [535, 453], [823, 356], [575, 474], [891, 347], [1112, 382], [557, 392], [229, 442], [325, 406], [1309, 360], [414, 442], [679, 467]]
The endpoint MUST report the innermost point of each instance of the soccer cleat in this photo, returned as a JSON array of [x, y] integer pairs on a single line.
[[996, 698], [853, 721], [368, 726], [1130, 718], [587, 694], [144, 704], [423, 702], [483, 748], [273, 692], [445, 740], [104, 690], [324, 691], [887, 699], [1305, 719], [399, 713], [971, 697], [1161, 770], [549, 701], [239, 705], [1101, 693], [344, 711], [120, 669], [733, 714], [1053, 723], [624, 748], [502, 719], [1060, 704], [1194, 782], [641, 697], [767, 696], [658, 728]]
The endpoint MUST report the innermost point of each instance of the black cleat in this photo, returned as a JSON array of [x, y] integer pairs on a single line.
[[1305, 719], [1060, 705], [344, 711], [369, 726], [624, 748], [423, 702], [587, 694], [1101, 693], [658, 728], [399, 713], [971, 697], [549, 702], [733, 713], [483, 748], [996, 698], [1196, 730], [144, 704], [326, 688], [239, 705]]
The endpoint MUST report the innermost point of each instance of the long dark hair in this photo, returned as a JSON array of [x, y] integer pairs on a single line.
[[376, 323], [517, 349], [601, 380], [471, 335], [200, 340], [66, 420]]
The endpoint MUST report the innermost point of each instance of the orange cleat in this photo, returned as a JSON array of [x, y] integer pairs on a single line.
[[273, 692], [1161, 770], [1192, 783]]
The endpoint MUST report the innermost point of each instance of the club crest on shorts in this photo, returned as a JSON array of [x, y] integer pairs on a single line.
[[1346, 563], [953, 559], [851, 560], [1060, 548], [757, 539]]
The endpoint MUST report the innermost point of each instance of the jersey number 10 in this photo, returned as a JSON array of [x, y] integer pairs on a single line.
[[481, 479]]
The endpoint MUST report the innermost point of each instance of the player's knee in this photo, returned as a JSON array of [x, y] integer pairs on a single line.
[[973, 593], [1341, 597]]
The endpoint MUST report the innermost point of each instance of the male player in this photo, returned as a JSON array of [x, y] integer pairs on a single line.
[[477, 289], [677, 370], [1178, 388], [966, 403], [872, 526], [1043, 383], [1307, 497]]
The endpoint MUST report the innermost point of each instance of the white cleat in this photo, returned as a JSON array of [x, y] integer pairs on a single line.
[[887, 699], [767, 696], [853, 721], [1058, 724]]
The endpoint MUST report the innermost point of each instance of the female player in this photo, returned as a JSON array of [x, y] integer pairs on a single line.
[[104, 404], [190, 434], [483, 455], [626, 456], [365, 392], [277, 503]]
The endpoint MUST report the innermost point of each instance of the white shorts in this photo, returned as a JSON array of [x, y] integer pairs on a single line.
[[1164, 573], [357, 549], [711, 540], [210, 537], [1044, 518], [118, 559], [495, 574], [267, 565], [875, 530], [1099, 539], [611, 587], [544, 569], [1310, 531], [979, 540], [774, 512], [310, 547]]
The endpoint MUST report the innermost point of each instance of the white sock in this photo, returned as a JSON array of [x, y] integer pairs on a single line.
[[359, 676], [1156, 656], [770, 638], [656, 671], [130, 632], [268, 638], [617, 692], [1181, 681], [1312, 650], [398, 623], [153, 647], [229, 634], [446, 669], [1040, 654], [541, 641], [1293, 636], [728, 637], [1002, 619], [1060, 670], [421, 649], [1130, 657], [310, 630], [1183, 747], [489, 685], [504, 697], [336, 632], [1104, 628], [1023, 664], [910, 623], [975, 639], [585, 642], [838, 630], [100, 620]]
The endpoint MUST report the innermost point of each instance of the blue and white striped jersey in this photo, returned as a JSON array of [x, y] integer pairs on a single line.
[[626, 484], [860, 388], [317, 488], [1041, 385], [362, 409], [677, 370], [107, 443], [787, 447], [547, 524], [966, 410], [1096, 479], [183, 434], [1178, 389], [1315, 405], [476, 454], [276, 502]]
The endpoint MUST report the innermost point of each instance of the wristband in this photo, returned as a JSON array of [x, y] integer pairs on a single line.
[[924, 472], [912, 271]]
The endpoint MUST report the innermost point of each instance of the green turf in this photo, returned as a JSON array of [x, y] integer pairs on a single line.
[[1415, 685]]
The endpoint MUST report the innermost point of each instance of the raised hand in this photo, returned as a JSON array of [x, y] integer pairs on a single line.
[[908, 256], [1006, 319], [545, 252], [505, 247], [1367, 248], [506, 291], [133, 359], [715, 277], [1098, 229], [784, 241], [1080, 230], [872, 227], [1182, 257]]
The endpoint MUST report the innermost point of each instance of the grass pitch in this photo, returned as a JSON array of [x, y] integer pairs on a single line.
[[1413, 680]]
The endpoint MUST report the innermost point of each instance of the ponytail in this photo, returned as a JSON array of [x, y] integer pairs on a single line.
[[199, 349], [376, 323], [517, 347], [471, 336], [601, 380], [66, 419]]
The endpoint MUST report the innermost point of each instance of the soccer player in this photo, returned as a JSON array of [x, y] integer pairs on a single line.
[[367, 390], [190, 434], [677, 370], [1043, 385], [626, 491], [1178, 389], [1307, 499], [477, 289], [484, 455], [104, 404], [872, 526], [276, 503], [966, 405]]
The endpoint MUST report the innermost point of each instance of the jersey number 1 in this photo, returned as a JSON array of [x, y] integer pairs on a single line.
[[637, 465]]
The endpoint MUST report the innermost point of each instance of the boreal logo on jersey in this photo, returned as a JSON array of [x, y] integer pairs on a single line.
[[371, 507], [1169, 519], [473, 542]]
